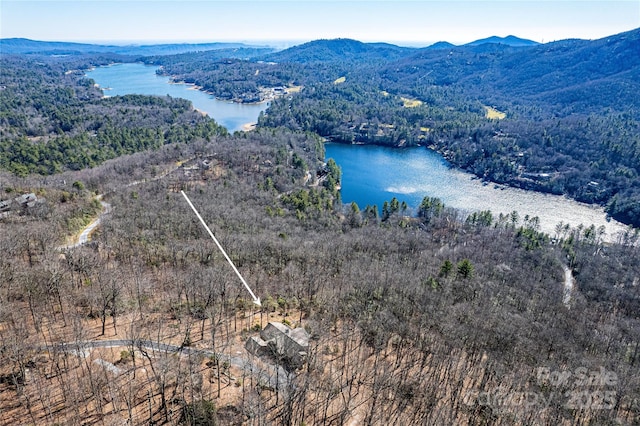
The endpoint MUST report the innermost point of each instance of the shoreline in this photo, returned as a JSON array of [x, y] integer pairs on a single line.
[[477, 196], [512, 184], [192, 86], [201, 112], [233, 108], [248, 127]]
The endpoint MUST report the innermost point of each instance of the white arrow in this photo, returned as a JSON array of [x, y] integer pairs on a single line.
[[256, 300]]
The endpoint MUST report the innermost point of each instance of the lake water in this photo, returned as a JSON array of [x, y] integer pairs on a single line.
[[374, 174], [126, 79]]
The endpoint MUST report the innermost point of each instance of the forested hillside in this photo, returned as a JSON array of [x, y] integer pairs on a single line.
[[436, 318], [431, 319], [340, 50], [314, 62], [560, 117], [559, 78], [52, 119], [510, 40]]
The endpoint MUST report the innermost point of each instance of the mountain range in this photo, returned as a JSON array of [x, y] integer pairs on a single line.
[[585, 75], [349, 47], [571, 107], [27, 46], [509, 40], [574, 75]]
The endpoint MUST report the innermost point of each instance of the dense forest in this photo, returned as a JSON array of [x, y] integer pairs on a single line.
[[52, 119], [435, 318], [560, 117]]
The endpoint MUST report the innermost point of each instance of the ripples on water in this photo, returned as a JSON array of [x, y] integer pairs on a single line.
[[374, 174]]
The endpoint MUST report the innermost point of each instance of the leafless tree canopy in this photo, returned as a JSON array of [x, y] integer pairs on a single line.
[[415, 319]]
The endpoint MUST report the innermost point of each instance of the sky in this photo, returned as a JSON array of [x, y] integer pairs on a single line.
[[403, 22]]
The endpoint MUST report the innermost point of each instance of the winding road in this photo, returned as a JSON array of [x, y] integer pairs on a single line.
[[276, 377], [85, 235]]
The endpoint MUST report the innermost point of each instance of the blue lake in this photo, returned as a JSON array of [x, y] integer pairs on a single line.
[[374, 174], [126, 79]]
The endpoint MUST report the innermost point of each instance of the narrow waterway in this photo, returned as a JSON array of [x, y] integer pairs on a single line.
[[127, 79], [373, 174]]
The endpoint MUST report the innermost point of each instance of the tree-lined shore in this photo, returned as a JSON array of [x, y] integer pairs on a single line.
[[437, 318]]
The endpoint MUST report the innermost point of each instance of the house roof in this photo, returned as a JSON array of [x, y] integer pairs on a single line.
[[277, 329], [28, 199]]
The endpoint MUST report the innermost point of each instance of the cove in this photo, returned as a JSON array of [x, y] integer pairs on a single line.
[[374, 174], [139, 79]]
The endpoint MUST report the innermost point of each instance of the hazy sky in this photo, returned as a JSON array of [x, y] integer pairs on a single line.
[[399, 21]]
